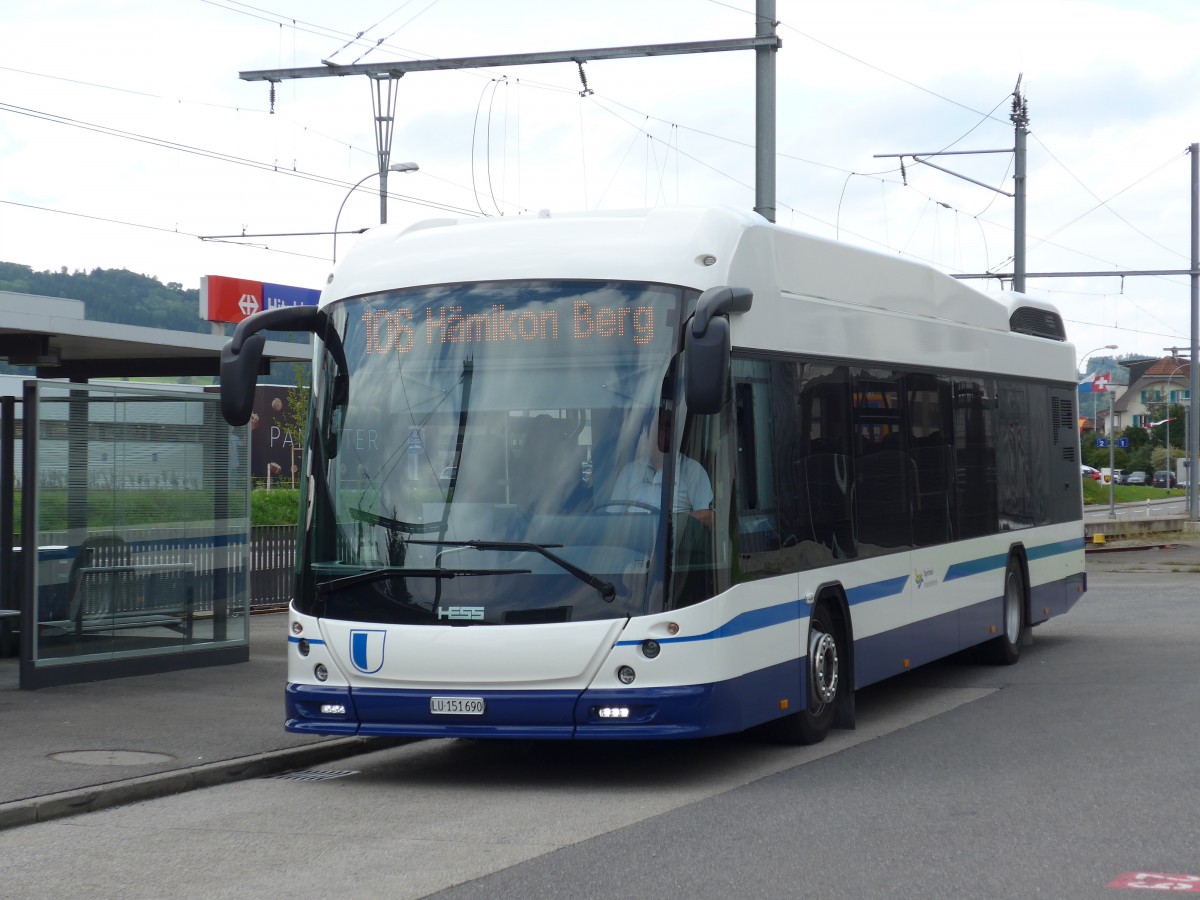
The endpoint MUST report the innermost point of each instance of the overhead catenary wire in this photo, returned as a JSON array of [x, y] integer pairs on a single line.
[[837, 225]]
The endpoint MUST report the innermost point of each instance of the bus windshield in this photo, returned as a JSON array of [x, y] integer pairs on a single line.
[[466, 474]]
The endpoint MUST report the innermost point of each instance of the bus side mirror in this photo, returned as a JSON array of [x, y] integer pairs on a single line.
[[239, 375], [707, 345], [706, 368], [242, 355]]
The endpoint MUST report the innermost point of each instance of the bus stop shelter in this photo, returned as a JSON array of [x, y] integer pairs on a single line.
[[124, 507]]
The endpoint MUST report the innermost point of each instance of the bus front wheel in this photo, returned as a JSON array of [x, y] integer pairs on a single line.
[[825, 667]]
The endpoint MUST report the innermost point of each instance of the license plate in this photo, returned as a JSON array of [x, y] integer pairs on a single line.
[[456, 706]]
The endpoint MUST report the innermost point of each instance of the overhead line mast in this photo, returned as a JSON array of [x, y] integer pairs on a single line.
[[765, 43]]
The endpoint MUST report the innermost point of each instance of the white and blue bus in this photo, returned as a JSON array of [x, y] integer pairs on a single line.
[[848, 465]]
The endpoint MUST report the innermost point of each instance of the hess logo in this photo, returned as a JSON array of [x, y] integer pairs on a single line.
[[461, 613]]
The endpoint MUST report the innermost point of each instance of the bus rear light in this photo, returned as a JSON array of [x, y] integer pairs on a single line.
[[613, 712], [333, 709]]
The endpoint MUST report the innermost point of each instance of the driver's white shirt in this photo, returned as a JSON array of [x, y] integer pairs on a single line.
[[642, 482]]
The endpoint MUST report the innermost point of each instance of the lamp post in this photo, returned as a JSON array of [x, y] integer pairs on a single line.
[[394, 167]]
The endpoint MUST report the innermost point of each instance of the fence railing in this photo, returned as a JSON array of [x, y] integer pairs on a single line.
[[272, 565], [141, 553]]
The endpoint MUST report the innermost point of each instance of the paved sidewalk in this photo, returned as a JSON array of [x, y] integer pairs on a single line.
[[200, 727]]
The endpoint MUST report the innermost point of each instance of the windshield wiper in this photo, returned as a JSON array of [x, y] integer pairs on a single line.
[[394, 524], [337, 584], [607, 591]]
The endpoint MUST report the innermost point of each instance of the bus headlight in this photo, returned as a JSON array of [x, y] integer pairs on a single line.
[[321, 673], [626, 675], [651, 649]]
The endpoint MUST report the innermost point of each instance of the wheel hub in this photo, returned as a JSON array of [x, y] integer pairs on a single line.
[[822, 666]]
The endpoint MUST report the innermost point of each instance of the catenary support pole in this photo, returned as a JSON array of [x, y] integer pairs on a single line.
[[1194, 380], [764, 113], [1020, 120]]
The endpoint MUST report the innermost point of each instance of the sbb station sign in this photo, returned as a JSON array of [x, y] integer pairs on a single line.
[[224, 299]]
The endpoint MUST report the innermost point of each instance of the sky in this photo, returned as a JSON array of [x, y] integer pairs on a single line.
[[128, 140]]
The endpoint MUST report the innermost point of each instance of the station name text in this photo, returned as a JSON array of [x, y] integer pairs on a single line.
[[398, 331]]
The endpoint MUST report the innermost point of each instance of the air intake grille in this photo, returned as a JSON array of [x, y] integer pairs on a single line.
[[1038, 322]]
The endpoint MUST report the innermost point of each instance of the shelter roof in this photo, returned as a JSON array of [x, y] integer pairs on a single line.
[[53, 334]]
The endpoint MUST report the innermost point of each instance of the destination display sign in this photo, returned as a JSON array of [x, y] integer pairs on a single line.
[[399, 330]]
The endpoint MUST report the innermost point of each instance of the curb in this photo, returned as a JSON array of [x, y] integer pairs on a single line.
[[176, 781]]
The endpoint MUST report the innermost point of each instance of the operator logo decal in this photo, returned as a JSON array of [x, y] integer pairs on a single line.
[[924, 578], [366, 649]]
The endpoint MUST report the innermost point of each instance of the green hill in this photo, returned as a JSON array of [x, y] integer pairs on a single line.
[[113, 295]]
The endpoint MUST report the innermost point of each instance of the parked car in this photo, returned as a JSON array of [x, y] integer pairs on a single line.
[[1137, 478], [1164, 479], [1089, 472]]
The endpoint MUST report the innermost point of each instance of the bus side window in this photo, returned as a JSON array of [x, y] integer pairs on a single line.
[[882, 475], [823, 466], [931, 457], [758, 539], [975, 456]]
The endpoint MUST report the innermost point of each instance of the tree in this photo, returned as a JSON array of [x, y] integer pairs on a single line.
[[294, 416]]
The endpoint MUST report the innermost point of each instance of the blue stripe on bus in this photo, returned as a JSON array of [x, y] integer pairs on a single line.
[[876, 590], [1069, 546], [1000, 560], [781, 613], [739, 624], [292, 639]]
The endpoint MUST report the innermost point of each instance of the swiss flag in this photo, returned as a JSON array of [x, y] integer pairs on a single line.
[[1100, 383]]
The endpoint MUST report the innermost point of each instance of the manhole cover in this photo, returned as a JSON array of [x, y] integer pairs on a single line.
[[111, 757]]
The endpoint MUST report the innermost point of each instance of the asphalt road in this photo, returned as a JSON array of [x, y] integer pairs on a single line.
[[1052, 778]]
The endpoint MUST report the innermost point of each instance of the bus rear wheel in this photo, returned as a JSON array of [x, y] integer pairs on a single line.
[[825, 669], [1005, 649]]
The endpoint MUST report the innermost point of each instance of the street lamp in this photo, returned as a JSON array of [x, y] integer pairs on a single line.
[[394, 167]]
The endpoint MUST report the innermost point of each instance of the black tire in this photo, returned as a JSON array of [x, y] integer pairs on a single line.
[[1005, 649], [825, 666]]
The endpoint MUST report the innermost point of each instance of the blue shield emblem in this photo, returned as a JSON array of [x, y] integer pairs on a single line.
[[366, 649]]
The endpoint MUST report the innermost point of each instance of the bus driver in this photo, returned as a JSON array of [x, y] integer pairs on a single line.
[[641, 479]]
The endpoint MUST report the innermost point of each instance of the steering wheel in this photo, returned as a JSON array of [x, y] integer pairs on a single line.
[[638, 504]]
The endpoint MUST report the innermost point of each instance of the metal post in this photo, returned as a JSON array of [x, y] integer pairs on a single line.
[[1020, 120], [1112, 459], [764, 113], [30, 417], [1194, 380], [8, 450], [1168, 433], [385, 122]]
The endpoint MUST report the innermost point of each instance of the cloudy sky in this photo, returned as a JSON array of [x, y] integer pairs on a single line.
[[127, 136]]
